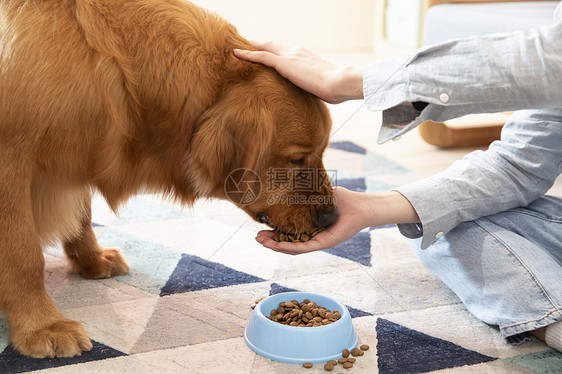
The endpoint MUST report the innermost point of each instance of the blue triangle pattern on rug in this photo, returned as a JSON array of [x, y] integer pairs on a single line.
[[348, 147], [13, 362], [356, 249], [151, 263], [377, 165], [353, 312], [404, 351], [356, 184], [194, 273], [546, 362], [276, 288], [96, 225]]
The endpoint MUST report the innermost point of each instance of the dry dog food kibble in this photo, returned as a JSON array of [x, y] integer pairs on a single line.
[[307, 365], [257, 301], [305, 314], [346, 361], [295, 238]]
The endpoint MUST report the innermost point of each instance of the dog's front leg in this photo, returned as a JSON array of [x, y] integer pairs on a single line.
[[85, 254], [37, 327]]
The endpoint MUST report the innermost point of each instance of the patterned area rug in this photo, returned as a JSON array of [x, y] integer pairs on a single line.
[[195, 274]]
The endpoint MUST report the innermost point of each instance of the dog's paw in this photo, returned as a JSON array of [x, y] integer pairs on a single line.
[[110, 262], [64, 338]]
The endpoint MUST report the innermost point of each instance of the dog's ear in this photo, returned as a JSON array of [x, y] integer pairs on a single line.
[[235, 133]]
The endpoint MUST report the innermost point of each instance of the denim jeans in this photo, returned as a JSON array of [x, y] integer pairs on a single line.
[[506, 268]]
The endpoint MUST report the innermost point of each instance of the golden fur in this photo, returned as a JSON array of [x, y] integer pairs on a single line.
[[118, 96]]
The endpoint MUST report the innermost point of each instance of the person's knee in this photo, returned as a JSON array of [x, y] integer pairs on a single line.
[[452, 249]]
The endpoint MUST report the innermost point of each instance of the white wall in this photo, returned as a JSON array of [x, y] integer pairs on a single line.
[[326, 26]]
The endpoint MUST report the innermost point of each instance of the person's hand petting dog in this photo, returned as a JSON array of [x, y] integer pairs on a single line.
[[310, 72], [332, 84], [357, 211]]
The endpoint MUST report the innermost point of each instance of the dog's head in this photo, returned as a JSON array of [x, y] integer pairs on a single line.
[[261, 147], [240, 130]]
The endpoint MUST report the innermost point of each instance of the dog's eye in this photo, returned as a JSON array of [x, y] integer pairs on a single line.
[[299, 162]]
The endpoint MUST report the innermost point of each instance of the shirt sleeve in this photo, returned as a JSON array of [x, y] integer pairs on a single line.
[[513, 172], [480, 74]]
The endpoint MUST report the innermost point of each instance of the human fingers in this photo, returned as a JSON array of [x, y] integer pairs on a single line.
[[262, 57], [290, 248], [274, 47], [323, 240], [263, 234]]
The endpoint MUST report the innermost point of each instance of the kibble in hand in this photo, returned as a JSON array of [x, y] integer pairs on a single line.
[[295, 238]]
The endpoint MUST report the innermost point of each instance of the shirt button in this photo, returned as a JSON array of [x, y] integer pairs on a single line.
[[438, 235], [444, 98]]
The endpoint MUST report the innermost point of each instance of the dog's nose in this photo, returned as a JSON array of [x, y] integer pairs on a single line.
[[262, 218], [326, 217]]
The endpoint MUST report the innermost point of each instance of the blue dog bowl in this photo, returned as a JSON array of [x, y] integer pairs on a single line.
[[297, 345]]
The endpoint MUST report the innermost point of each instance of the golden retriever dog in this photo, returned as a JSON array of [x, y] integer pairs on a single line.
[[117, 96]]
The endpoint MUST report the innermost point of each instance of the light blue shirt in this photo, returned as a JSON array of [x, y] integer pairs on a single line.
[[520, 71]]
